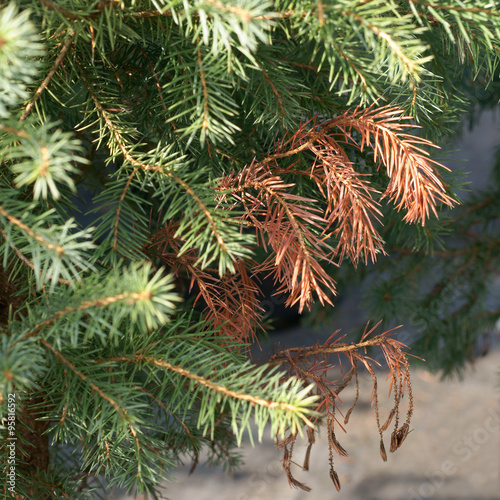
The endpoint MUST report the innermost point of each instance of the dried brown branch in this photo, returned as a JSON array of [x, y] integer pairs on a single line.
[[231, 301], [414, 182], [312, 365], [351, 203], [300, 234], [291, 227], [287, 464]]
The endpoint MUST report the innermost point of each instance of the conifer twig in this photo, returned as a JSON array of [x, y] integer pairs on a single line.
[[33, 234], [199, 380], [45, 83]]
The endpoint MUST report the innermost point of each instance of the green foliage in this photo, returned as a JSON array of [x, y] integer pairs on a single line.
[[20, 43], [29, 152], [156, 155]]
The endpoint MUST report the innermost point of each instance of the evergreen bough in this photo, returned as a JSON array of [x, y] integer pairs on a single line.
[[159, 158]]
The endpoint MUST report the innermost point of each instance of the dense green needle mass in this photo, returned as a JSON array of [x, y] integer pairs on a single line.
[[158, 158]]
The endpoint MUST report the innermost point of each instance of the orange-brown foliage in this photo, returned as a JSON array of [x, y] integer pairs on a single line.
[[300, 235]]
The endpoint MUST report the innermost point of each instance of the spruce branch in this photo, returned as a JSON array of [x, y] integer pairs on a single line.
[[44, 157], [227, 252], [412, 65], [288, 404], [18, 253], [56, 252], [15, 374], [121, 412], [20, 47], [145, 300], [59, 250], [254, 400], [114, 244], [59, 59]]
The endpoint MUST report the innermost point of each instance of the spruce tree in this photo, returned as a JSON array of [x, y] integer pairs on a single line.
[[160, 158]]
